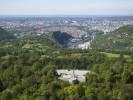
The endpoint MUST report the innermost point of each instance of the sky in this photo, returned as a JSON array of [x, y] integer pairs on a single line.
[[66, 7]]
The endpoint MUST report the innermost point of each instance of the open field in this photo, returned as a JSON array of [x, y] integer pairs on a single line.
[[114, 55]]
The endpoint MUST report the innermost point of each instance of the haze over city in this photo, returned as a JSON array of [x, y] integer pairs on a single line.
[[66, 7]]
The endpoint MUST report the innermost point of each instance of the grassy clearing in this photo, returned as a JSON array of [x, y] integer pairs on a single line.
[[113, 55]]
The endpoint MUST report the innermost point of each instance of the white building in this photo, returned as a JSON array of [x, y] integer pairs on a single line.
[[85, 45], [71, 75]]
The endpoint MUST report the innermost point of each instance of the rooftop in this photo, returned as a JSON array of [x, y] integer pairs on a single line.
[[71, 75]]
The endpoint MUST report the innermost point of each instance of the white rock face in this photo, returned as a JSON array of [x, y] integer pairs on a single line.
[[70, 75]]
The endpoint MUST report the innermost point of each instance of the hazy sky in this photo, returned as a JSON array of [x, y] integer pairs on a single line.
[[66, 7]]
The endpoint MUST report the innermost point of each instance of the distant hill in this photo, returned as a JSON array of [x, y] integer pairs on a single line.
[[120, 39], [61, 37], [4, 35]]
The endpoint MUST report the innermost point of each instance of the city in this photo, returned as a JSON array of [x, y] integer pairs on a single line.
[[80, 28]]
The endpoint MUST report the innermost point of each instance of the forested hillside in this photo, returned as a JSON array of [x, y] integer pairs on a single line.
[[61, 37], [120, 39], [28, 72], [4, 35]]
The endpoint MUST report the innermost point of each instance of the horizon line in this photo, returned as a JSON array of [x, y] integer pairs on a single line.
[[62, 15]]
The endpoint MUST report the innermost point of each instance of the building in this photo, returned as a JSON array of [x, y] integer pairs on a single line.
[[72, 75]]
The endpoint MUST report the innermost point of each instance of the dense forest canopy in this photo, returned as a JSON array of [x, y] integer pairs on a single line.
[[4, 35]]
